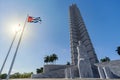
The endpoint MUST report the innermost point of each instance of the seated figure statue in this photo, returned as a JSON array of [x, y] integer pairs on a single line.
[[84, 66]]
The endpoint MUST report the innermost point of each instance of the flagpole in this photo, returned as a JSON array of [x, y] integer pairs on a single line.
[[8, 76], [8, 53]]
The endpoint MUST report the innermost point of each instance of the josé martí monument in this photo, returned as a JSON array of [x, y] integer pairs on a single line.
[[84, 61]]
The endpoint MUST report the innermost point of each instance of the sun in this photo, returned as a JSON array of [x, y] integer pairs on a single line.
[[16, 28]]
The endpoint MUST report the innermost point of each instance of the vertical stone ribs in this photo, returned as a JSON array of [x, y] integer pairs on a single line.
[[78, 32]]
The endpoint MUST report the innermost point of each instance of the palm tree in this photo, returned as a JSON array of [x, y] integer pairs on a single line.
[[54, 57], [46, 59], [68, 63], [106, 59], [39, 70], [118, 50], [51, 58]]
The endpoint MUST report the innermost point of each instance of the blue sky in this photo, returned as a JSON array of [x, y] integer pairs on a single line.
[[52, 35]]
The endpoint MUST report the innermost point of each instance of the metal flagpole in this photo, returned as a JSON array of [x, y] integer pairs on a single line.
[[16, 49], [8, 52]]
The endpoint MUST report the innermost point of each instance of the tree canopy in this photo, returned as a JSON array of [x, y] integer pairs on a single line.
[[50, 58], [17, 75], [3, 76], [105, 59], [68, 63], [118, 50], [39, 70]]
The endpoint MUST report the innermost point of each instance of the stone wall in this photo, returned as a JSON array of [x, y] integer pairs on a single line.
[[71, 72], [52, 74], [53, 71], [58, 71], [49, 68], [114, 67]]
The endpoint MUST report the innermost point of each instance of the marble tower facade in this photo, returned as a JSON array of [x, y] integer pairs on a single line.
[[78, 32]]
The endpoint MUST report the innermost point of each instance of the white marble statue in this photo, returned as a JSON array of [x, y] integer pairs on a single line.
[[84, 65]]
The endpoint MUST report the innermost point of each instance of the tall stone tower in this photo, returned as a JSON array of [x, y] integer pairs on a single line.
[[78, 32]]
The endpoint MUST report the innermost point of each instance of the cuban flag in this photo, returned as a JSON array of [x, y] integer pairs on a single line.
[[34, 19]]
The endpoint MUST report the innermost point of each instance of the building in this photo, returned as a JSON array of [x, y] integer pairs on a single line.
[[84, 62], [78, 32]]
